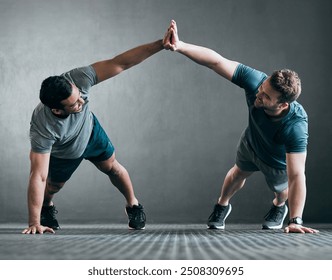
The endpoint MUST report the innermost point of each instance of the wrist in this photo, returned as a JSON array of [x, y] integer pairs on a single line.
[[180, 47], [34, 223], [296, 221], [159, 44]]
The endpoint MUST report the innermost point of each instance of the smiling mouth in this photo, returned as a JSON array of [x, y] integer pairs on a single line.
[[79, 110]]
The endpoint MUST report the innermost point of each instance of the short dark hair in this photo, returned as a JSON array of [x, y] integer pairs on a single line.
[[288, 83], [53, 90]]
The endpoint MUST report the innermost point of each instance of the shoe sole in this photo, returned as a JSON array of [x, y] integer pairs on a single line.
[[215, 227], [221, 227], [273, 227], [135, 228], [277, 226]]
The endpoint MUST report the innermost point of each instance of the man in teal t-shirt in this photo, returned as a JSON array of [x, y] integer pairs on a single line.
[[275, 141], [271, 137]]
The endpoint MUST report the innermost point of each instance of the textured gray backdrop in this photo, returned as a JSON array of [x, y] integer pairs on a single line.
[[175, 124]]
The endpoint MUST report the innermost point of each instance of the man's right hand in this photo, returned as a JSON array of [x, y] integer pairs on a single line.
[[37, 229]]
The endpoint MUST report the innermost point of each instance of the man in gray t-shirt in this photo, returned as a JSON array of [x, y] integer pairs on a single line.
[[64, 137], [63, 132]]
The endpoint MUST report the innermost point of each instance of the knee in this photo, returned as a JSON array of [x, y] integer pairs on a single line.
[[111, 167], [237, 174], [283, 194], [116, 169], [53, 188]]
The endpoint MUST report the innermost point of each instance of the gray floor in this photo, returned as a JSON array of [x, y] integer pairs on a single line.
[[165, 242]]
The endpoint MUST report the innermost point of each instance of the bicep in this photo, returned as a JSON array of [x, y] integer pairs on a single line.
[[211, 59], [107, 69], [225, 67]]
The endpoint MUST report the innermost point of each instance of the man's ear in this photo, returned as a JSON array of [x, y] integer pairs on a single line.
[[284, 105], [56, 111]]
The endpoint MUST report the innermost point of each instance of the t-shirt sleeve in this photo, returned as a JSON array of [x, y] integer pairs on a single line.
[[296, 138], [248, 78], [83, 77], [40, 143]]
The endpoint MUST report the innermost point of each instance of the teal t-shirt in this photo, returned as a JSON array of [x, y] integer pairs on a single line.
[[269, 139]]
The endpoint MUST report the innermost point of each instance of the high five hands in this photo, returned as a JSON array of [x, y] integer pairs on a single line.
[[171, 38]]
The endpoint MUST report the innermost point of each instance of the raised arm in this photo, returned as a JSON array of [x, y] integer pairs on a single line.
[[198, 54], [109, 68], [37, 182]]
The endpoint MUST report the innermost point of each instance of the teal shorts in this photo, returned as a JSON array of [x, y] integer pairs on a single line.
[[99, 148], [246, 160]]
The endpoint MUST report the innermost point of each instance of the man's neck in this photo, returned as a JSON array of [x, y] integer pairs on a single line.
[[277, 115]]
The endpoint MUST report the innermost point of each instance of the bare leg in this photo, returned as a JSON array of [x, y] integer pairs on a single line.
[[280, 198], [50, 190], [119, 177], [233, 182]]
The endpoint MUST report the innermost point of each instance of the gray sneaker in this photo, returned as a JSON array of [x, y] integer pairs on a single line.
[[218, 216], [274, 219]]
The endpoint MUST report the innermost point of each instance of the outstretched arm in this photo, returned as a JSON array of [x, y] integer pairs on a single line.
[[198, 54], [109, 68]]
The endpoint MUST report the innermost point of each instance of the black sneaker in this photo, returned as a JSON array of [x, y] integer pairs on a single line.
[[274, 219], [136, 217], [218, 216], [47, 217]]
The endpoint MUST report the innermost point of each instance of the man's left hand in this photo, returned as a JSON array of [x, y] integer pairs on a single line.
[[294, 228]]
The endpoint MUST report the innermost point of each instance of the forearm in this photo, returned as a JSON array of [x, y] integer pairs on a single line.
[[36, 191], [109, 68], [296, 195], [209, 58], [198, 54], [138, 54]]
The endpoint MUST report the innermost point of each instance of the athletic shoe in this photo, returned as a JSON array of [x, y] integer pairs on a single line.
[[218, 216], [274, 219], [47, 217], [136, 217]]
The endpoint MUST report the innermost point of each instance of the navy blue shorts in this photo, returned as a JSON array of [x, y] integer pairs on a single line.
[[99, 148]]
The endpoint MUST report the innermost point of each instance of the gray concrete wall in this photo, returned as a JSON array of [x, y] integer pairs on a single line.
[[175, 124]]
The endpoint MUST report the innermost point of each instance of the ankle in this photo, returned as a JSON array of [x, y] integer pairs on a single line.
[[132, 203], [222, 202], [278, 203]]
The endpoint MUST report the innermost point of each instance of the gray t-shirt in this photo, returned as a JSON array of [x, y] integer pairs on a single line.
[[64, 138]]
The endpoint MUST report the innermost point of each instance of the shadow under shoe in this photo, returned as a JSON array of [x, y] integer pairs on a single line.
[[47, 217]]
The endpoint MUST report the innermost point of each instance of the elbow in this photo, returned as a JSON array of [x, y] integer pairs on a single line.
[[297, 179], [214, 65], [36, 176], [296, 175]]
